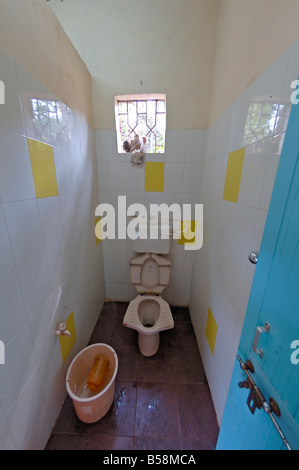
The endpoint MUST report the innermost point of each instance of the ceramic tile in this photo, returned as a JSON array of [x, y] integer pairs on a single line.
[[253, 174], [49, 212], [173, 177], [43, 169], [10, 384], [195, 412], [13, 315], [156, 413], [175, 145], [192, 177], [34, 415], [24, 230], [35, 284], [34, 98], [117, 175], [63, 171], [101, 145], [195, 145], [68, 214], [16, 181], [6, 258], [135, 177]]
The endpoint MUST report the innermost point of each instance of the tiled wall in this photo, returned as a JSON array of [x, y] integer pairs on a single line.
[[242, 155], [183, 166], [51, 267]]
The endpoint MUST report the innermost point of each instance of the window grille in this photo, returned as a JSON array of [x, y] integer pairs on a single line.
[[141, 115]]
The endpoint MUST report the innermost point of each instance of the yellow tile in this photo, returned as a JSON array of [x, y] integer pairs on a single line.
[[98, 230], [188, 229], [67, 342], [154, 176], [211, 330], [233, 175], [43, 169]]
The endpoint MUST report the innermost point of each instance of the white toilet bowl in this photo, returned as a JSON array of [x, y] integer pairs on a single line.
[[148, 313]]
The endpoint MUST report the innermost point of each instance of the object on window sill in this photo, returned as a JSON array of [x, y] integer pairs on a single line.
[[137, 158], [137, 147]]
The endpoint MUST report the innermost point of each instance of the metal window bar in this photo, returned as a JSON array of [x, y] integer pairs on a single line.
[[141, 117], [265, 405]]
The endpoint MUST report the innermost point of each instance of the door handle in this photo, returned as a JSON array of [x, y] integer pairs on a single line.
[[253, 257], [259, 330]]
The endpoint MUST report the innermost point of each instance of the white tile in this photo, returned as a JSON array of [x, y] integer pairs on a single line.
[[49, 212], [219, 135], [37, 122], [74, 143], [111, 140], [195, 145], [259, 229], [117, 175], [192, 177], [267, 91], [58, 121], [40, 325], [63, 171], [35, 284], [76, 162], [28, 424], [6, 442], [13, 316], [271, 170], [16, 180], [135, 177], [103, 181], [253, 173], [24, 230], [19, 358], [6, 258], [68, 214], [84, 208], [241, 111], [121, 292], [101, 145], [173, 177], [175, 145], [10, 112], [57, 264]]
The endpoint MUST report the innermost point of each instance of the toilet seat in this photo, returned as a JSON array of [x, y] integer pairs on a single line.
[[150, 275]]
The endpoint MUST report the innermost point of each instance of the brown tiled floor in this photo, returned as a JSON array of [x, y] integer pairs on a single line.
[[161, 403]]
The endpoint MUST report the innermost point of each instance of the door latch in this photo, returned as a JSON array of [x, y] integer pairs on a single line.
[[255, 398], [259, 330]]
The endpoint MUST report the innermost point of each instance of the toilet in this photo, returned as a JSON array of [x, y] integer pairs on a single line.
[[148, 313]]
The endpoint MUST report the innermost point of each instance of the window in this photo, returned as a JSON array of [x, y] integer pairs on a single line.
[[143, 116]]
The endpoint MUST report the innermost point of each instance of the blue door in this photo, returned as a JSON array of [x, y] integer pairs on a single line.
[[262, 409]]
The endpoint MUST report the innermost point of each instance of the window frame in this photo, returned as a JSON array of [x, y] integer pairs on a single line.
[[137, 97]]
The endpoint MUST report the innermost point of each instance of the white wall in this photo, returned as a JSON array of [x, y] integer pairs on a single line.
[[183, 165], [50, 264], [222, 274]]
